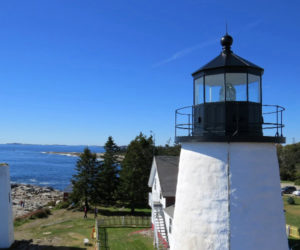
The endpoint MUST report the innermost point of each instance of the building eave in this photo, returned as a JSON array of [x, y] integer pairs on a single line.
[[152, 173]]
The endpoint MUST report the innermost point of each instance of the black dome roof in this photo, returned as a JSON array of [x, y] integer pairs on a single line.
[[228, 60]]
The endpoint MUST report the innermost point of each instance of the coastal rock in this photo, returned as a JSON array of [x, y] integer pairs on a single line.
[[27, 198]]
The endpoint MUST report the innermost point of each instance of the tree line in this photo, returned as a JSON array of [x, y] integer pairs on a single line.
[[121, 177], [289, 162]]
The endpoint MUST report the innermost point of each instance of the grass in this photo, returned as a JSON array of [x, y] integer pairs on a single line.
[[292, 217], [287, 182], [67, 229], [124, 239], [292, 212], [111, 211], [124, 221], [20, 221], [63, 228], [114, 232]]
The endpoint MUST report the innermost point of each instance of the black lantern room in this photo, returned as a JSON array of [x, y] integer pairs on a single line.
[[228, 102]]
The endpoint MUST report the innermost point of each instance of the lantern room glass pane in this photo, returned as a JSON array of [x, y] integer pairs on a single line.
[[214, 88], [236, 87], [199, 91], [254, 88]]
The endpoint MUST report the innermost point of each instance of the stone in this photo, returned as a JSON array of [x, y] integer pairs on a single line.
[[34, 197]]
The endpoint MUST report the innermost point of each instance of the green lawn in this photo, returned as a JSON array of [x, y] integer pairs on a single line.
[[125, 239], [292, 217], [68, 229], [292, 212]]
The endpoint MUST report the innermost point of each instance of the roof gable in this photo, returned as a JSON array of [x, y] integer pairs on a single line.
[[167, 170]]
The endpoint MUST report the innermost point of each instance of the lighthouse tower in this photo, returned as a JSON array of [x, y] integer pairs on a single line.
[[6, 216], [228, 189]]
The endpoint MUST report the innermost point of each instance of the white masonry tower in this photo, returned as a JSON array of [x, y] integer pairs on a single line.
[[228, 193], [6, 215]]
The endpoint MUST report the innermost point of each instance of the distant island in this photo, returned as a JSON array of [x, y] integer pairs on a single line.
[[74, 154], [77, 154]]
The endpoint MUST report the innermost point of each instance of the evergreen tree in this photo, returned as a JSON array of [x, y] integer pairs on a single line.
[[135, 172], [107, 179], [84, 181], [289, 158], [168, 150]]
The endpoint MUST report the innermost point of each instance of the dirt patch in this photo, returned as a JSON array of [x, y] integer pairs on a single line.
[[145, 232]]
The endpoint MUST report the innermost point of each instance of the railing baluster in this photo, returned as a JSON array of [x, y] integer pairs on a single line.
[[189, 124], [277, 120], [175, 123], [183, 123], [281, 122]]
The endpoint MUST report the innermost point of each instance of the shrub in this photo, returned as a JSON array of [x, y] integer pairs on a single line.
[[297, 182], [47, 210], [62, 205], [291, 201], [51, 203], [41, 213]]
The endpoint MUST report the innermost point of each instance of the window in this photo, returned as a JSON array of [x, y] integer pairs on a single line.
[[199, 90], [154, 184], [214, 88], [236, 87], [170, 225], [254, 88]]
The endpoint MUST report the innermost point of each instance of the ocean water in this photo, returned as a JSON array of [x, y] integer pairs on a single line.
[[30, 164]]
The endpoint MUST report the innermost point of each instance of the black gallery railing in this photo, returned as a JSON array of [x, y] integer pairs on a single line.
[[272, 118]]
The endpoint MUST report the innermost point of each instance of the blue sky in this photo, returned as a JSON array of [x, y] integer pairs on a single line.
[[75, 72]]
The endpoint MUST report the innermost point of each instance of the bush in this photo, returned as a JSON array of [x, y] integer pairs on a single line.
[[291, 201], [41, 213], [62, 205], [51, 203], [297, 182], [47, 210]]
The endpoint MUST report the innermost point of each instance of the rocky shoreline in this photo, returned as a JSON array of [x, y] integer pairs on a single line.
[[32, 197]]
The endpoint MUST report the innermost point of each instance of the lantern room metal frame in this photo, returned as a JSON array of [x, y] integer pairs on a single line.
[[229, 118]]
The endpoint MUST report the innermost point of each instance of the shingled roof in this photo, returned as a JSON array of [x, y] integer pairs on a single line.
[[167, 168]]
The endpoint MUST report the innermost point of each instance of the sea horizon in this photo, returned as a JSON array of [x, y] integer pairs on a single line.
[[31, 164]]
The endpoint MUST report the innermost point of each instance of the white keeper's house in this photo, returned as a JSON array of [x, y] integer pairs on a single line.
[[163, 181], [6, 214]]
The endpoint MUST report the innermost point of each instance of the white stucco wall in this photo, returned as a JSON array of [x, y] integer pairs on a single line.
[[6, 216], [256, 208], [239, 209], [201, 208]]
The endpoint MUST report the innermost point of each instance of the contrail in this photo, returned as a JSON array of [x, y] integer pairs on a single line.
[[185, 51], [204, 44]]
